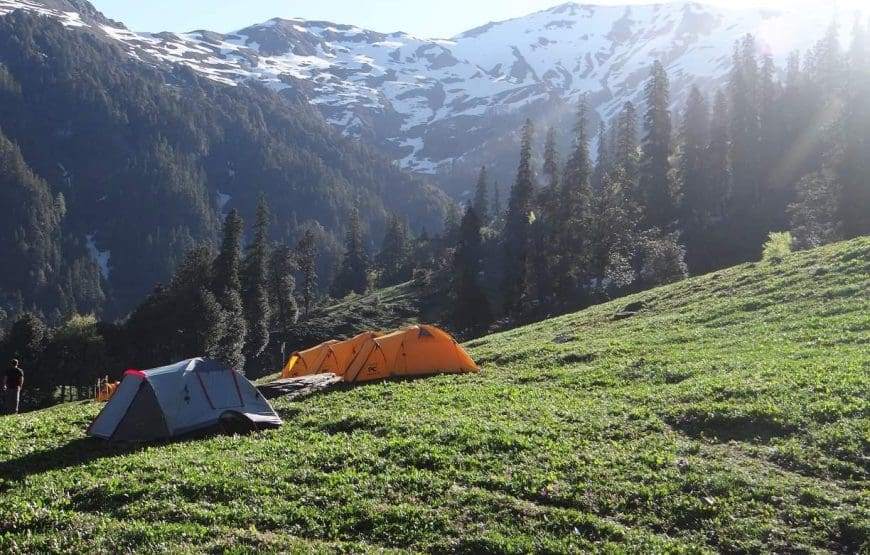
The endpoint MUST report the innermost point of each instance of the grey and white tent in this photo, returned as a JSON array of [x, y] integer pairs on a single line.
[[180, 398]]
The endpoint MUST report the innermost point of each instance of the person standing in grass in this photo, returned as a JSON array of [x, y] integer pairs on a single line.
[[12, 386]]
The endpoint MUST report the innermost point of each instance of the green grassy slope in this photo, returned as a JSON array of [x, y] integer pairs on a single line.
[[730, 415], [387, 309]]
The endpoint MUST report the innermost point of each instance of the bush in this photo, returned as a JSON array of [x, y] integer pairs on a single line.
[[663, 259], [777, 247], [422, 277]]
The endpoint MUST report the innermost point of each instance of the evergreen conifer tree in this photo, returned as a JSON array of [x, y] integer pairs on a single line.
[[255, 286], [655, 165], [227, 266], [602, 165], [481, 197], [306, 253], [575, 202], [613, 234], [625, 148], [353, 273], [471, 311], [282, 266], [694, 182], [227, 289], [517, 227], [746, 225], [393, 260]]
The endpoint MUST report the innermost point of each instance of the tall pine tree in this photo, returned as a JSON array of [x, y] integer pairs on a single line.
[[575, 218], [306, 254], [481, 197], [227, 289], [471, 311], [255, 288], [517, 227], [393, 260], [655, 183], [282, 266], [353, 273]]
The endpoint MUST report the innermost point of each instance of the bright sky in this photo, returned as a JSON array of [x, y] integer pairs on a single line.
[[423, 18]]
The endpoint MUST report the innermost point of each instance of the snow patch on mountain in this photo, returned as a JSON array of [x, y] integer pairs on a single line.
[[431, 101], [102, 258], [67, 18], [223, 200]]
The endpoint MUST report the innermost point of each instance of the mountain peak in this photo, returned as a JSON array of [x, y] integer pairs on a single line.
[[435, 105], [72, 13]]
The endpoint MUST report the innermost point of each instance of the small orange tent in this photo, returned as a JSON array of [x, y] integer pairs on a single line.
[[329, 357], [414, 351], [105, 391]]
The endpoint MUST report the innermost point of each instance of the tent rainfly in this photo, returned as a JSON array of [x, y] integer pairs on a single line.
[[415, 351], [180, 398]]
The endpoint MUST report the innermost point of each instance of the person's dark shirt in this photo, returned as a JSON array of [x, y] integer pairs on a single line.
[[14, 376]]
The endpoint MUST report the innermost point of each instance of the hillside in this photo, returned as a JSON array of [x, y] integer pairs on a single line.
[[382, 309], [117, 167], [729, 415], [446, 106]]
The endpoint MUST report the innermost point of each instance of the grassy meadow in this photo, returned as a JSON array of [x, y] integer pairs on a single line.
[[729, 415]]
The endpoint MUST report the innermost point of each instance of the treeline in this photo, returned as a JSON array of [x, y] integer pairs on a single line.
[[671, 196], [227, 306], [240, 304]]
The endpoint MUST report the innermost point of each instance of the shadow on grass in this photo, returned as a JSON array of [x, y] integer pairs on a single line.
[[723, 428], [85, 450], [76, 452]]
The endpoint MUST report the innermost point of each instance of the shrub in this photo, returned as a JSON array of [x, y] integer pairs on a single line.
[[663, 259], [422, 277], [777, 247]]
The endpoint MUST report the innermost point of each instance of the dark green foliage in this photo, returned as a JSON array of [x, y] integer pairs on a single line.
[[625, 151], [814, 213], [452, 219], [655, 180], [602, 164], [495, 211], [471, 310], [30, 244], [282, 267], [662, 259], [306, 255], [353, 273], [613, 234], [180, 321], [551, 161], [228, 264], [141, 153], [394, 260], [76, 355], [481, 202], [746, 225], [574, 213], [255, 286], [517, 227], [26, 339]]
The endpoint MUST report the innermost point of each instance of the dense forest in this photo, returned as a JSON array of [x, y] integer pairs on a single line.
[[659, 195], [670, 195], [113, 169]]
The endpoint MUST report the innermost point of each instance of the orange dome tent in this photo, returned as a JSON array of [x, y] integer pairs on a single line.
[[329, 357], [415, 351]]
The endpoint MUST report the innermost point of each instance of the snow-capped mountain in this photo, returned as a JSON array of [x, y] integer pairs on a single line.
[[447, 106]]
